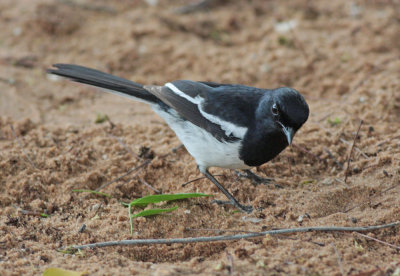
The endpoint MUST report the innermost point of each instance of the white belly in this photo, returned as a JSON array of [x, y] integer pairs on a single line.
[[206, 150]]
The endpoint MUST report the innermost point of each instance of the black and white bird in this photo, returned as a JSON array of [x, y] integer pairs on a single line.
[[221, 125]]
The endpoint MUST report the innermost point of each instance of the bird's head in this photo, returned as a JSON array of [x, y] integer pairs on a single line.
[[284, 109]]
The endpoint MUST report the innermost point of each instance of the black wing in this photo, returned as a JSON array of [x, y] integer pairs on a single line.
[[225, 111]]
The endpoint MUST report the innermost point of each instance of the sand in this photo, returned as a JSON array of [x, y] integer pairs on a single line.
[[343, 56]]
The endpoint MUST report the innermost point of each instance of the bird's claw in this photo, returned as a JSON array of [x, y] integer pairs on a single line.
[[256, 179]]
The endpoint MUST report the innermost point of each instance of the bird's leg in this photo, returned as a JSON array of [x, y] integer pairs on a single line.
[[256, 179], [232, 199]]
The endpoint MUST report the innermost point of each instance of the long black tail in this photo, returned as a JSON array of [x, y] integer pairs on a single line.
[[100, 79]]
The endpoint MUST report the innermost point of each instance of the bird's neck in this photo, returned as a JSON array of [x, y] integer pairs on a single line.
[[259, 149]]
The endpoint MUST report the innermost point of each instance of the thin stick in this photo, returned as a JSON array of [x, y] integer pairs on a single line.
[[193, 7], [124, 145], [22, 147], [339, 259], [230, 260], [340, 181], [382, 242], [125, 174], [235, 237], [244, 231], [219, 230], [357, 149], [351, 152], [149, 186]]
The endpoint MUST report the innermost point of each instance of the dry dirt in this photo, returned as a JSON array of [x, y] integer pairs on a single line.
[[342, 55]]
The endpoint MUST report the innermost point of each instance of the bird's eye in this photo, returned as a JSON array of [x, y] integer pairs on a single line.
[[275, 110]]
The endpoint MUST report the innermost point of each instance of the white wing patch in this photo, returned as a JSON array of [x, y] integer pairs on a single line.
[[197, 100], [229, 128]]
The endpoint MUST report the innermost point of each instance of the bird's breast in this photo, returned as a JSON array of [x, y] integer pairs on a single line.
[[259, 149]]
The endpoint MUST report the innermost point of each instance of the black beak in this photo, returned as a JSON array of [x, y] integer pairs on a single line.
[[289, 132]]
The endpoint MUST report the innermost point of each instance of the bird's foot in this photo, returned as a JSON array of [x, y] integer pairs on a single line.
[[255, 178], [244, 208]]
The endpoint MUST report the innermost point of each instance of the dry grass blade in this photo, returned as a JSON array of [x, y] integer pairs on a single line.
[[339, 259], [22, 147], [382, 242], [351, 152], [333, 157]]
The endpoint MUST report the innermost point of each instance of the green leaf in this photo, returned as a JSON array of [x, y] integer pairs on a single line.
[[43, 215], [152, 212], [334, 122], [92, 192], [143, 201], [101, 118], [167, 197], [54, 271]]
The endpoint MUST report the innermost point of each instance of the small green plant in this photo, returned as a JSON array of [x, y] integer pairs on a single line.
[[284, 41], [101, 118], [55, 271], [334, 122], [152, 212], [151, 199]]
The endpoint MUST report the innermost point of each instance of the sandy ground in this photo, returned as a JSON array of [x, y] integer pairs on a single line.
[[342, 55]]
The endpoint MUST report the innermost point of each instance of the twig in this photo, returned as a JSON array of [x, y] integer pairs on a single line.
[[197, 179], [388, 140], [235, 237], [333, 157], [219, 230], [149, 186], [351, 152], [22, 147], [340, 181], [124, 145], [230, 260], [193, 7], [382, 242], [244, 231], [356, 148], [125, 174], [339, 259], [89, 7], [82, 228]]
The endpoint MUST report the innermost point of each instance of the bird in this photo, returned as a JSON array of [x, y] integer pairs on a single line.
[[230, 126]]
